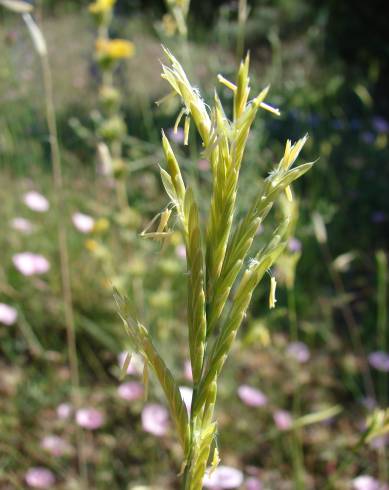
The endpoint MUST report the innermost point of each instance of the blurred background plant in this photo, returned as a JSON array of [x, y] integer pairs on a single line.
[[328, 65]]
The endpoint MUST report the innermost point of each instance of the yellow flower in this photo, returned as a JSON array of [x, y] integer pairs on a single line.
[[101, 225], [101, 6], [91, 245], [169, 25], [115, 49]]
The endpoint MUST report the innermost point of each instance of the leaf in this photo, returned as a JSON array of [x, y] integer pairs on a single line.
[[168, 185], [124, 368], [145, 376], [196, 295], [36, 35], [17, 6], [144, 345]]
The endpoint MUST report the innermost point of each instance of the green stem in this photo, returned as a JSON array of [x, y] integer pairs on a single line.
[[59, 203], [382, 273], [296, 447], [350, 321], [242, 19]]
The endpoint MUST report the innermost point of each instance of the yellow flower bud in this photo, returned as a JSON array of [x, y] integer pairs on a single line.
[[114, 49], [101, 6]]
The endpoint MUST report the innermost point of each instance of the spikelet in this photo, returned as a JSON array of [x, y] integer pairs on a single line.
[[196, 295], [143, 344]]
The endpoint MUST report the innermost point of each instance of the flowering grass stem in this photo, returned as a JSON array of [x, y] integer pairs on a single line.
[[220, 280]]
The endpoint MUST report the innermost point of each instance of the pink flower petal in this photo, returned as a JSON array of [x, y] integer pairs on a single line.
[[22, 225], [186, 395], [89, 418], [282, 419], [251, 396], [83, 222], [28, 263], [223, 477], [253, 484], [8, 314], [181, 251], [155, 419], [299, 351], [379, 360], [41, 264], [131, 391], [64, 411], [178, 136], [366, 482], [36, 201], [39, 477], [55, 445]]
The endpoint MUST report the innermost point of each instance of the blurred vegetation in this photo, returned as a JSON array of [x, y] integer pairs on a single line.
[[328, 65]]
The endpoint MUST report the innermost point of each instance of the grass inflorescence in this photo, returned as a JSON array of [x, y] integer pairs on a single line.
[[221, 278]]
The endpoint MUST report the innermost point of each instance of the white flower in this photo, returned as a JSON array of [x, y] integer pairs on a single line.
[[155, 419], [186, 395], [223, 477], [89, 418], [22, 225], [36, 202], [365, 482], [64, 411], [83, 222], [8, 314], [39, 477], [29, 263]]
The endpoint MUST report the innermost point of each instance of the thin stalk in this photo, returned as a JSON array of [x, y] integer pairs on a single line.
[[349, 320], [382, 273], [116, 147], [242, 19], [59, 203], [382, 292], [296, 446], [296, 453], [291, 298]]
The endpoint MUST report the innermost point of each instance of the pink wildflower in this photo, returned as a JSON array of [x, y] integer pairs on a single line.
[[36, 202], [155, 419], [282, 419], [186, 395], [366, 482], [299, 351], [379, 360], [22, 225], [39, 477], [55, 445], [8, 314], [131, 391], [253, 484], [64, 411], [223, 477], [89, 418], [30, 264], [251, 396], [83, 222], [181, 251]]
